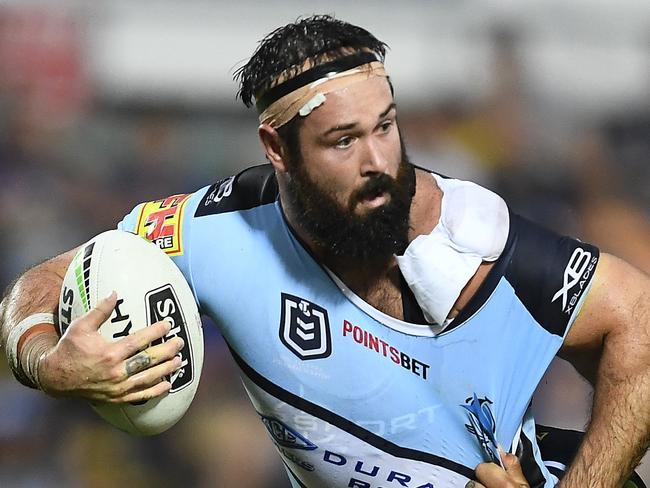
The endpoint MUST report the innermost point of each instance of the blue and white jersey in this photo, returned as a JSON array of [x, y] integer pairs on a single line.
[[350, 396]]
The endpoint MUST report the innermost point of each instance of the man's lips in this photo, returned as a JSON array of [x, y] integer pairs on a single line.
[[375, 200]]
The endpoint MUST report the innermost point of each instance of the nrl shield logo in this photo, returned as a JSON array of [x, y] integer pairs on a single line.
[[305, 328]]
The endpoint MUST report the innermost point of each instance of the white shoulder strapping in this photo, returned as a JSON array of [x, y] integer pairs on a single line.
[[473, 227]]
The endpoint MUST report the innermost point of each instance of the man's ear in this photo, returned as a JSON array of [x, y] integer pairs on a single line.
[[273, 146]]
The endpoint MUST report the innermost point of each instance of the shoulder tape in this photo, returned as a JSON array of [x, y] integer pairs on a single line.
[[473, 227]]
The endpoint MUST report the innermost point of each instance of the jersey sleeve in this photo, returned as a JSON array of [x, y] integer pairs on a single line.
[[550, 273], [177, 224], [167, 222]]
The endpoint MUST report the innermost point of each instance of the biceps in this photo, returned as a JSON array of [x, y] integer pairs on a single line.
[[616, 314]]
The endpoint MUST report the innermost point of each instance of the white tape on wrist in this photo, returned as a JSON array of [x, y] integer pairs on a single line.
[[18, 331]]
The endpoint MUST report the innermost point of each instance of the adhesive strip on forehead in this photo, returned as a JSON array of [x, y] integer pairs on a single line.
[[308, 97]]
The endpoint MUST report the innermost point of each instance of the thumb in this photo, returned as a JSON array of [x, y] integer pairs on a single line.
[[513, 468]]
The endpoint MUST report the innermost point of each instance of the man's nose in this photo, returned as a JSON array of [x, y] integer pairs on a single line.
[[374, 158]]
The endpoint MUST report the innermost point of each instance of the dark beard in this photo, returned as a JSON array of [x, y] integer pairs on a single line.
[[339, 232]]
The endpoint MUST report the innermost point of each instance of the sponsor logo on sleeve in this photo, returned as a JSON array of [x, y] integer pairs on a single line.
[[161, 222], [221, 190], [576, 276], [305, 328]]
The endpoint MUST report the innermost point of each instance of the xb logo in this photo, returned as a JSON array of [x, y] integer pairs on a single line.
[[578, 264], [305, 328]]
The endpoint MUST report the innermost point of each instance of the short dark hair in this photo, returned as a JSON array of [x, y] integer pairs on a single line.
[[287, 48], [319, 37]]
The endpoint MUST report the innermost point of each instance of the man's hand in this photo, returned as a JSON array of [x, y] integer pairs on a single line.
[[491, 475], [85, 364]]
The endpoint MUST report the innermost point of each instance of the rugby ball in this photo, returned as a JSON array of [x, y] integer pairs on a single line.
[[150, 288]]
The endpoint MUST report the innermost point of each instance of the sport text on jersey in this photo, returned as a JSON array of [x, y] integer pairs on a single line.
[[380, 346], [577, 272], [161, 222], [353, 463]]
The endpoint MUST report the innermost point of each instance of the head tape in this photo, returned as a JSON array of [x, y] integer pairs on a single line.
[[306, 91]]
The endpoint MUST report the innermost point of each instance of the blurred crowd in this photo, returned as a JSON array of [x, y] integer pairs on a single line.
[[72, 164]]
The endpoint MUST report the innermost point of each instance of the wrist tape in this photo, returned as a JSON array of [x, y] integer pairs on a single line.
[[18, 337]]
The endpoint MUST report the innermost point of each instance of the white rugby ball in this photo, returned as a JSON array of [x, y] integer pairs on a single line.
[[150, 288]]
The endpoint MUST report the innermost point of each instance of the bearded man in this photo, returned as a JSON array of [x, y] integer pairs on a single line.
[[390, 324]]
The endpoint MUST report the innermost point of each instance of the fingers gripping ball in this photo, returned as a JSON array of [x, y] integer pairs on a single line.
[[491, 475], [150, 288]]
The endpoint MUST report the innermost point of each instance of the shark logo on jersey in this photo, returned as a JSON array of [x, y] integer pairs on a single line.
[[483, 425], [305, 328]]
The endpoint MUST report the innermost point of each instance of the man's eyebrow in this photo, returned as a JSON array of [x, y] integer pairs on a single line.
[[338, 128], [344, 127], [385, 112]]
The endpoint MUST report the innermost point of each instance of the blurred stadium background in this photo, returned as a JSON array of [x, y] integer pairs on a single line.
[[108, 103]]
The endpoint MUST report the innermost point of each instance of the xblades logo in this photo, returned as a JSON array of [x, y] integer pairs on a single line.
[[580, 263]]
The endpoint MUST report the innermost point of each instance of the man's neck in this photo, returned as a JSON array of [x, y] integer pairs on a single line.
[[425, 207]]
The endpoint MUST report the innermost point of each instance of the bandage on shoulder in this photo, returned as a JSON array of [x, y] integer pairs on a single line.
[[473, 227]]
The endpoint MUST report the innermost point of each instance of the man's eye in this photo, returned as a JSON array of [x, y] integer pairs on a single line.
[[344, 142], [386, 126]]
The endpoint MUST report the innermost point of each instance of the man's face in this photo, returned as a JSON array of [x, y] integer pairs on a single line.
[[351, 187]]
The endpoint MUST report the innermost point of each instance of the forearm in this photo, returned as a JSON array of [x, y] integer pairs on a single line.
[[619, 431], [35, 292], [81, 362]]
